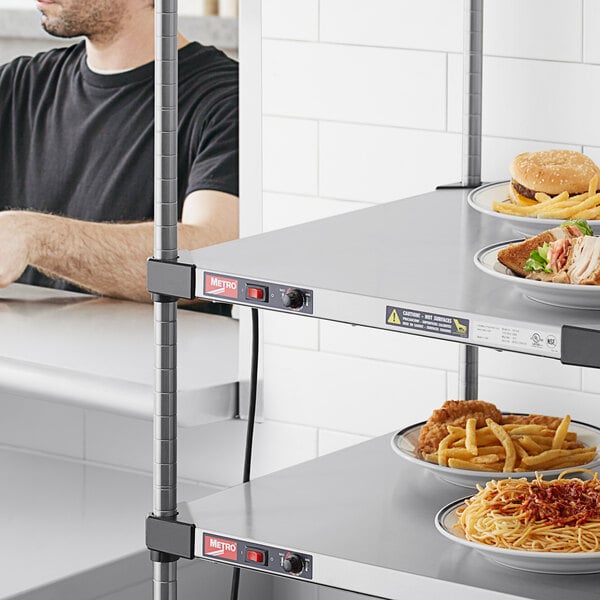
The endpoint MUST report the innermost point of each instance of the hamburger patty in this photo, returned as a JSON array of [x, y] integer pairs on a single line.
[[524, 191]]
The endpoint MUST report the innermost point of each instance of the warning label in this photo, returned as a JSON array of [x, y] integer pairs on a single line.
[[424, 321]]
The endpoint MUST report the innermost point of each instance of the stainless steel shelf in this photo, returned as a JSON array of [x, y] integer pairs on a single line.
[[366, 517], [414, 254]]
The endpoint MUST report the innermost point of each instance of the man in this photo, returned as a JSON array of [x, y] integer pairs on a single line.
[[77, 151]]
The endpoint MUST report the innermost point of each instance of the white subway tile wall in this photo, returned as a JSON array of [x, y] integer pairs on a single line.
[[591, 43], [288, 330], [541, 100], [290, 155], [339, 338], [283, 210], [373, 91], [533, 29], [432, 25], [532, 100], [354, 84], [528, 369], [290, 19], [370, 163], [347, 394]]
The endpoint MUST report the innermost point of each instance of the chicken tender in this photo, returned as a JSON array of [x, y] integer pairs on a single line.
[[454, 412], [550, 422]]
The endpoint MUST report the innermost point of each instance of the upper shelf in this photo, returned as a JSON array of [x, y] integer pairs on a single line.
[[99, 353], [414, 254]]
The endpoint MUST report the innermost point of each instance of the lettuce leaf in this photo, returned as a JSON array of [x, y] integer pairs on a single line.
[[581, 224], [538, 259]]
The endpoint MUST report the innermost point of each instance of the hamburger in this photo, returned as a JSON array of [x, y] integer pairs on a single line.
[[550, 172]]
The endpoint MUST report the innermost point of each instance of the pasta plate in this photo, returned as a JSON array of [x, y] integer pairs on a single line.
[[565, 295], [405, 444], [482, 200], [560, 563]]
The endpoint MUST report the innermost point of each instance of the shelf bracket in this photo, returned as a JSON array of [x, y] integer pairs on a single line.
[[579, 346], [169, 540], [171, 280]]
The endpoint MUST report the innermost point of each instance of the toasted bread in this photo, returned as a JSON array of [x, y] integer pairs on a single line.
[[515, 255]]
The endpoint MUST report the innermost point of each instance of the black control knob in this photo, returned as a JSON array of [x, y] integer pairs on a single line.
[[293, 298], [292, 563]]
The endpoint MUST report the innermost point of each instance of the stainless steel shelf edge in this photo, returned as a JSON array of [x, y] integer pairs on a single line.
[[375, 581], [506, 334]]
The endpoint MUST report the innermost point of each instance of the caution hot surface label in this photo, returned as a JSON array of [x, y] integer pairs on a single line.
[[418, 320]]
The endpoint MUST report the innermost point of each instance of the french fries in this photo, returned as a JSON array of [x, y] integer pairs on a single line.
[[512, 447], [561, 206], [507, 443]]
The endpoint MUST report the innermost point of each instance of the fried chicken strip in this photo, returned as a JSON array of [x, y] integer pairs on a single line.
[[454, 412]]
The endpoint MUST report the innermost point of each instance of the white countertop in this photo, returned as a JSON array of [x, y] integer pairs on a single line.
[[99, 353]]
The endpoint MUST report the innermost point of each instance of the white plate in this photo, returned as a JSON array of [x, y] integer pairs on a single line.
[[560, 563], [405, 443], [483, 198], [567, 295]]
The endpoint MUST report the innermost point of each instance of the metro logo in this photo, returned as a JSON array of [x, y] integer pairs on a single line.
[[218, 285], [220, 547]]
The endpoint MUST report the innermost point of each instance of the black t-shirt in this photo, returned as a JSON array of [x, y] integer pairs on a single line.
[[81, 144]]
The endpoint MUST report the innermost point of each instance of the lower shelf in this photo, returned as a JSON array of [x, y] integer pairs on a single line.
[[365, 518]]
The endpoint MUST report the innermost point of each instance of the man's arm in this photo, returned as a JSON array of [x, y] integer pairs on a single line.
[[107, 258]]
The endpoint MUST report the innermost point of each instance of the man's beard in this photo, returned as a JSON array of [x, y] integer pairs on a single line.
[[97, 20]]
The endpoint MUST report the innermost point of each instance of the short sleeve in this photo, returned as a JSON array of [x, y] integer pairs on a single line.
[[216, 164]]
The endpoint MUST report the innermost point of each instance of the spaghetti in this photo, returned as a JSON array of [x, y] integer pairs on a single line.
[[562, 515]]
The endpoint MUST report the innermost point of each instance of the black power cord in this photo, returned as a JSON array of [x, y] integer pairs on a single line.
[[235, 579]]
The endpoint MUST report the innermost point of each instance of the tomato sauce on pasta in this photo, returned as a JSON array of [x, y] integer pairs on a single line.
[[562, 515]]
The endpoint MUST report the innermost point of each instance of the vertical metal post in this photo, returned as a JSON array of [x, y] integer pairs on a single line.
[[471, 158], [165, 309], [472, 88]]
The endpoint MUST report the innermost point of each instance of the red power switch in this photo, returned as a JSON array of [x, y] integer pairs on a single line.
[[256, 556], [256, 293]]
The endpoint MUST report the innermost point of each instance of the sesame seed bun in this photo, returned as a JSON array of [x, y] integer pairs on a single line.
[[554, 171]]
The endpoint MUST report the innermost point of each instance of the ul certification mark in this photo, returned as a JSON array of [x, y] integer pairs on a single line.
[[537, 341]]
